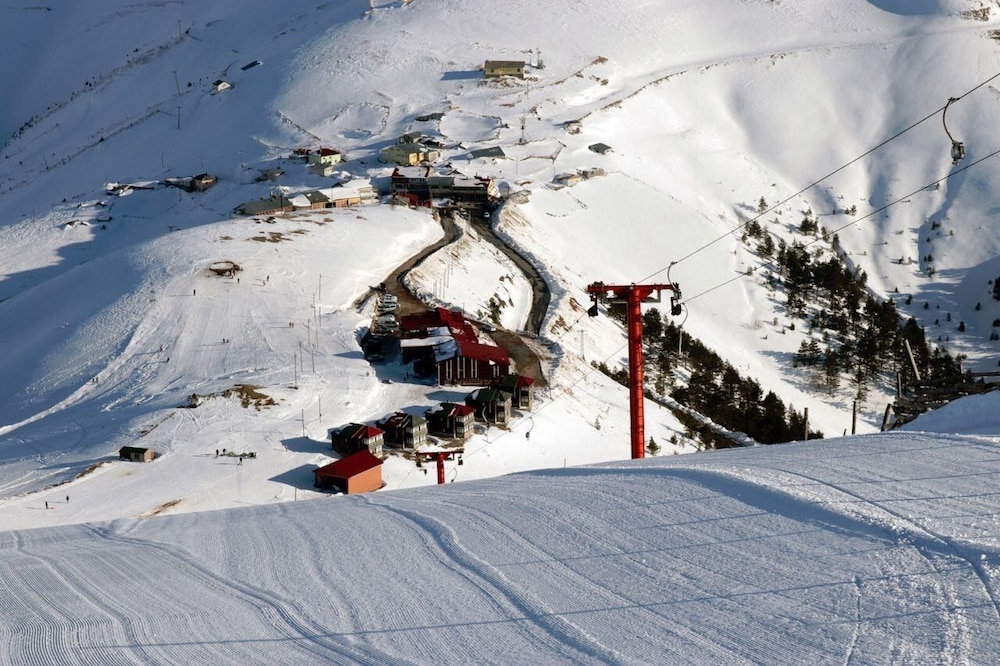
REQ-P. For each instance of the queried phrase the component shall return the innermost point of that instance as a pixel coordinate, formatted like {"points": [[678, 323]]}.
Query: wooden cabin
{"points": [[491, 404], [355, 437], [403, 430], [451, 420]]}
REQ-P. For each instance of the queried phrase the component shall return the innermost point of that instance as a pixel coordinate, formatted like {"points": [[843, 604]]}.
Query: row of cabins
{"points": [[352, 193], [360, 470], [494, 404]]}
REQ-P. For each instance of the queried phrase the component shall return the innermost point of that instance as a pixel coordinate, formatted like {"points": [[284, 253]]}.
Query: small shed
{"points": [[600, 148], [437, 115], [202, 182], [136, 454], [451, 420], [355, 437], [491, 404], [219, 85], [359, 472], [568, 179], [411, 137], [491, 152], [496, 68], [404, 430]]}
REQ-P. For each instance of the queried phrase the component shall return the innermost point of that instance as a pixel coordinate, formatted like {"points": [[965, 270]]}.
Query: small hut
{"points": [[136, 454]]}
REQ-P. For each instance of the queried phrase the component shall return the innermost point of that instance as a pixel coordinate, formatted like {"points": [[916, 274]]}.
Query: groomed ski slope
{"points": [[874, 549]]}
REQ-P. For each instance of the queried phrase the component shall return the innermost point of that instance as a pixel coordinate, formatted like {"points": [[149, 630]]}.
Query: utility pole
{"points": [[633, 296], [178, 118], [177, 83]]}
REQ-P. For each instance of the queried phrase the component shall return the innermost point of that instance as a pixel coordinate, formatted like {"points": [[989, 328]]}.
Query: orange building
{"points": [[359, 472]]}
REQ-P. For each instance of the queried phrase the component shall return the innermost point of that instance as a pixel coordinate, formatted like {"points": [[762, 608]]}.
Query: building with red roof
{"points": [[521, 389], [443, 343], [355, 437], [451, 420], [404, 430], [359, 472]]}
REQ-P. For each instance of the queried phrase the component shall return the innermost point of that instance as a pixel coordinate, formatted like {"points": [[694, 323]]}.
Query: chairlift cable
{"points": [[859, 219], [820, 180]]}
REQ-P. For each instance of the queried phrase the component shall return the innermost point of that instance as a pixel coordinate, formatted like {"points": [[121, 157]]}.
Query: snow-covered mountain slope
{"points": [[863, 550], [707, 108]]}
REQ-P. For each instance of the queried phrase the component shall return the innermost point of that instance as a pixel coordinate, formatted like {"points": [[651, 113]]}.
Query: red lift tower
{"points": [[438, 456], [633, 296]]}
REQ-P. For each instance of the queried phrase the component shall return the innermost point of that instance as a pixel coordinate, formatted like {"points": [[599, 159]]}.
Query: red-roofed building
{"points": [[426, 324], [473, 364], [404, 430], [451, 420], [444, 343], [355, 437], [325, 156], [491, 404], [359, 472], [520, 388]]}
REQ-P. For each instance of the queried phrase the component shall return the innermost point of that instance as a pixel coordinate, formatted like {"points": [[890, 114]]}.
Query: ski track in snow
{"points": [[281, 615], [939, 552], [496, 588]]}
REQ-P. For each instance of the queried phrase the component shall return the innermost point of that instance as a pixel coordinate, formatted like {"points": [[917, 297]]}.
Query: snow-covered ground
{"points": [[873, 549], [854, 550]]}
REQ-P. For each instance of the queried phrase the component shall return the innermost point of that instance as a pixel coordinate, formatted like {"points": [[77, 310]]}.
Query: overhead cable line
{"points": [[860, 219], [820, 180]]}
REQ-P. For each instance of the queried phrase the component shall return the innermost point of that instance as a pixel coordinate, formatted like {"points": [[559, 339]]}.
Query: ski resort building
{"points": [[404, 431], [491, 404], [355, 437], [359, 472], [451, 420], [520, 388], [493, 69], [136, 454], [443, 343]]}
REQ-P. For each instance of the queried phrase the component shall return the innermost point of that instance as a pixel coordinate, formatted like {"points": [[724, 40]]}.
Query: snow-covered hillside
{"points": [[110, 319], [870, 549]]}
